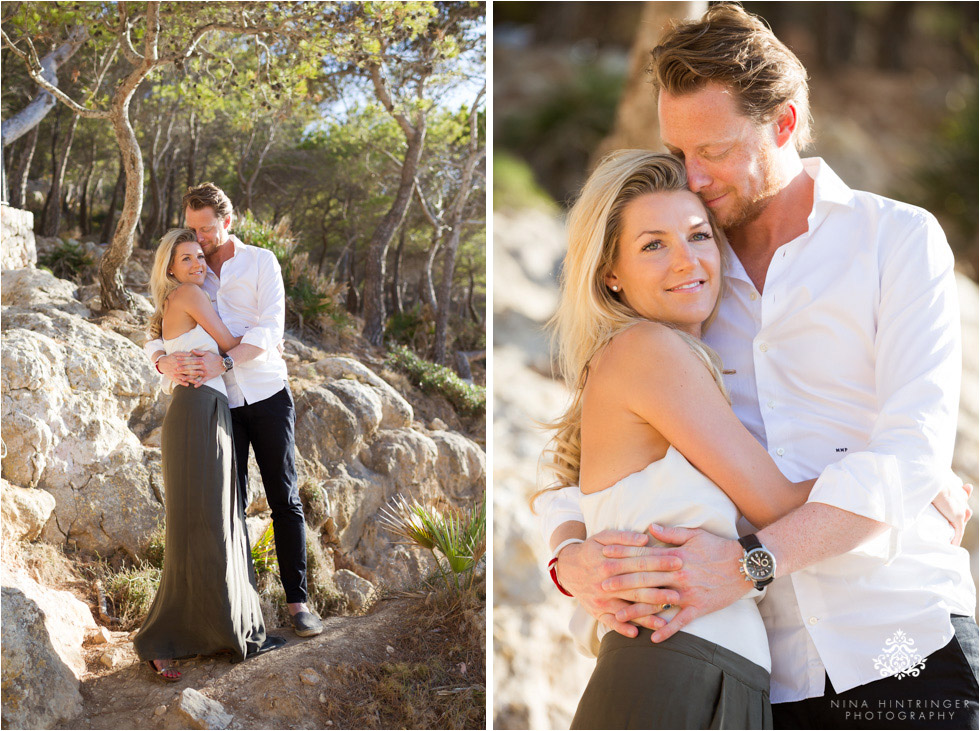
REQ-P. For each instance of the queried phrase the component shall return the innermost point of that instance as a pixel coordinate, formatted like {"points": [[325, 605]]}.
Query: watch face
{"points": [[759, 565]]}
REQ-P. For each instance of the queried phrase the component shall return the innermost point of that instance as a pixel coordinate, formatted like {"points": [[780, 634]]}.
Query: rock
{"points": [[357, 590], [198, 711], [309, 676], [41, 649], [69, 390], [437, 424], [390, 650], [18, 249], [159, 710], [111, 658], [396, 411], [37, 288], [326, 430], [25, 511], [404, 455], [322, 698], [461, 466], [100, 636]]}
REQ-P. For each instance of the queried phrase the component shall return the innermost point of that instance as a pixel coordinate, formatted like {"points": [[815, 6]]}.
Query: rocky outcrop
{"points": [[17, 247], [69, 390], [42, 631]]}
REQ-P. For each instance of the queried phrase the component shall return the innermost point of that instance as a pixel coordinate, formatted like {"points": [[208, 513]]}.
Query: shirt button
{"points": [[753, 296], [780, 452], [813, 620], [763, 347], [771, 404]]}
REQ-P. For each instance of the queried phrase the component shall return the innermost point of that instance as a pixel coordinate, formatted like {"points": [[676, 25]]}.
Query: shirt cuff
{"points": [[260, 337]]}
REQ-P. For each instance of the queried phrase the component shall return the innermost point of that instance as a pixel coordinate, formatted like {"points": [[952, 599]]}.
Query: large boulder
{"points": [[69, 390], [42, 630], [17, 247], [396, 412], [24, 511]]}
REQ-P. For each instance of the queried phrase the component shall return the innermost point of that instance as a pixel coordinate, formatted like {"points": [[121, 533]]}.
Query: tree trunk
{"points": [[22, 169], [374, 275], [445, 295], [469, 300], [84, 222], [636, 117], [427, 289], [51, 221], [397, 307], [113, 291], [117, 192], [195, 138]]}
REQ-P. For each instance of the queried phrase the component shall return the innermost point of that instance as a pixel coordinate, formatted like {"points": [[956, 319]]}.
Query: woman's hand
{"points": [[585, 568], [183, 369]]}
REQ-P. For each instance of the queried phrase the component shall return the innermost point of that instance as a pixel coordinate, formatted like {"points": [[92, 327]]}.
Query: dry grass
{"points": [[440, 679]]}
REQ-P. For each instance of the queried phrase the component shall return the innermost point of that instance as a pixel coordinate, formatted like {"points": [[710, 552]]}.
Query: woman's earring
{"points": [[615, 288]]}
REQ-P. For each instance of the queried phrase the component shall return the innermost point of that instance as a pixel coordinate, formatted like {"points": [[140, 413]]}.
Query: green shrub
{"points": [[459, 536], [415, 328], [68, 261], [466, 398], [155, 548], [312, 301]]}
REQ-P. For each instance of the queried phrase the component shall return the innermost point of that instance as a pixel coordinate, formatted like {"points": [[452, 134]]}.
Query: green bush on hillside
{"points": [[466, 398]]}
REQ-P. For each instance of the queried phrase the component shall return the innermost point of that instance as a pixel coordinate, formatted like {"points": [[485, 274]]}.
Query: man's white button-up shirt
{"points": [[251, 301], [847, 368]]}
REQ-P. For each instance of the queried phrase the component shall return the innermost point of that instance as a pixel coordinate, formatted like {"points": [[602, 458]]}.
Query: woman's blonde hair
{"points": [[162, 282], [589, 314]]}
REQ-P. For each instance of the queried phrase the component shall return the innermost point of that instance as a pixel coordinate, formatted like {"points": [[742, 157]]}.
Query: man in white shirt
{"points": [[246, 288], [841, 326]]}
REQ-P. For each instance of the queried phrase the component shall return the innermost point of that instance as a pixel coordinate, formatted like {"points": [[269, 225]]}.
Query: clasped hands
{"points": [[619, 579], [191, 369]]}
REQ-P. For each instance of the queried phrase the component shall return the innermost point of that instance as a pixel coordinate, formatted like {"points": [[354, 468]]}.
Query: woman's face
{"points": [[188, 263], [668, 266]]}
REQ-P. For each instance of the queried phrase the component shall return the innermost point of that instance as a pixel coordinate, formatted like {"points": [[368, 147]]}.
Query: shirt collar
{"points": [[828, 188], [828, 191]]}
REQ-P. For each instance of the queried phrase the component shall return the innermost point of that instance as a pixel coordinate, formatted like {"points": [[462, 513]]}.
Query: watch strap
{"points": [[750, 542]]}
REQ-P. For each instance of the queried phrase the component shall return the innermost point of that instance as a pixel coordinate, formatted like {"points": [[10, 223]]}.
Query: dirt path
{"points": [[265, 692]]}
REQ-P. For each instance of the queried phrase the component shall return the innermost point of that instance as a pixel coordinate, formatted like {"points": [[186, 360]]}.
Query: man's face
{"points": [[728, 156], [211, 231]]}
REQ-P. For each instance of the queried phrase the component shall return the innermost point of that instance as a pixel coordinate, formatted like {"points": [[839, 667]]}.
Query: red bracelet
{"points": [[553, 570], [156, 364]]}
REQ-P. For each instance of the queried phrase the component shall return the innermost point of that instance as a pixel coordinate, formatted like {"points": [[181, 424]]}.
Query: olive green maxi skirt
{"points": [[685, 682], [207, 601]]}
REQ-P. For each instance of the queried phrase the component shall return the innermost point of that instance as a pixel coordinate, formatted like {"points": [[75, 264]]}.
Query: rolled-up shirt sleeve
{"points": [[555, 507], [150, 347], [271, 303], [917, 382]]}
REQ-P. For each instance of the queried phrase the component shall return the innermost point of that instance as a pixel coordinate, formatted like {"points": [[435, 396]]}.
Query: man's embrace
{"points": [[245, 285], [839, 333]]}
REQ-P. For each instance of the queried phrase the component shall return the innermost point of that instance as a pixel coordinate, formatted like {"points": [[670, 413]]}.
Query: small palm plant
{"points": [[459, 536], [264, 552]]}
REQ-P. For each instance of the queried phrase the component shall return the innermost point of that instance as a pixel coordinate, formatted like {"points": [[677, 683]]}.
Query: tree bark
{"points": [[84, 222], [395, 293], [427, 288], [113, 291], [374, 275], [22, 169], [51, 220], [108, 225]]}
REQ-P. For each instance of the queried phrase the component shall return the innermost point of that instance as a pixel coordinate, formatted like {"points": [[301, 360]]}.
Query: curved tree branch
{"points": [[47, 68]]}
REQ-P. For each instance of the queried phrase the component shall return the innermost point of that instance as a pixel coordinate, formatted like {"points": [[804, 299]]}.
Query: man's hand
{"points": [[181, 368], [954, 505], [709, 581], [583, 568], [212, 366]]}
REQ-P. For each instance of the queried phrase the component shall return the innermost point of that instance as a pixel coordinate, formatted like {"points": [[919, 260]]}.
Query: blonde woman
{"points": [[650, 438], [207, 602]]}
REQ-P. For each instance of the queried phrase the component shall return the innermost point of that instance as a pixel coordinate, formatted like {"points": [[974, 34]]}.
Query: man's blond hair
{"points": [[729, 46], [207, 195]]}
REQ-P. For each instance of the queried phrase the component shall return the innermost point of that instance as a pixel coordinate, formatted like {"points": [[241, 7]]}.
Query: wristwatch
{"points": [[228, 363], [757, 564]]}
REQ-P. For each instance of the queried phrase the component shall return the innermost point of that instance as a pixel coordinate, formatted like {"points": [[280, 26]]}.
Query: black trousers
{"points": [[944, 695], [268, 426]]}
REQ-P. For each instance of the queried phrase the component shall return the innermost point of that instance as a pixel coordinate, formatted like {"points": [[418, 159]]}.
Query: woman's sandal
{"points": [[169, 674]]}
